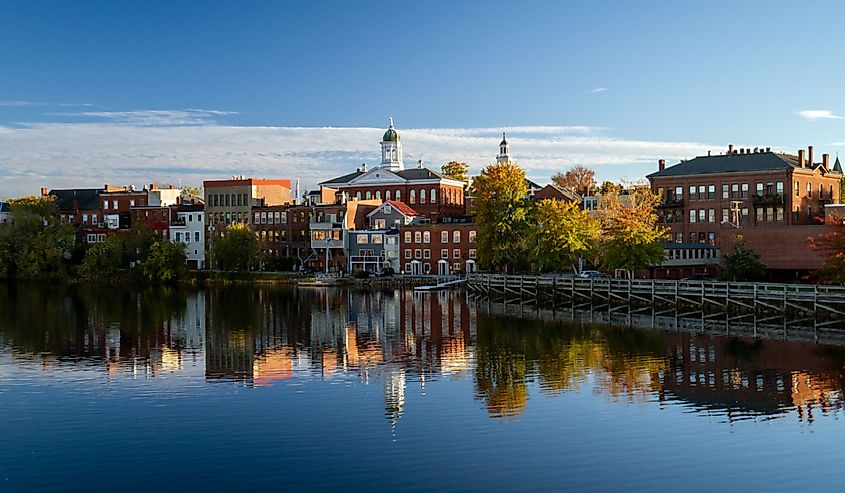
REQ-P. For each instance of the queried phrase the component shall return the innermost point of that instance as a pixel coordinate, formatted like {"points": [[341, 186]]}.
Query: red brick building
{"points": [[438, 248], [774, 200]]}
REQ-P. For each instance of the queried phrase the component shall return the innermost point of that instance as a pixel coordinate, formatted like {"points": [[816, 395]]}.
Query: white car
{"points": [[592, 274]]}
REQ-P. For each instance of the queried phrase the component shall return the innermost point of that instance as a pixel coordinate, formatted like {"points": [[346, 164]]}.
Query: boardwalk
{"points": [[809, 305]]}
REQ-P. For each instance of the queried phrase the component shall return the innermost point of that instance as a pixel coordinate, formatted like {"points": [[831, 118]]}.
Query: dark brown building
{"points": [[438, 248]]}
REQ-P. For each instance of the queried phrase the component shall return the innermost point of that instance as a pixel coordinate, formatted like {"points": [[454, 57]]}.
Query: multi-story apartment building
{"points": [[188, 227], [774, 200], [438, 248], [330, 226], [116, 205], [231, 201], [429, 192]]}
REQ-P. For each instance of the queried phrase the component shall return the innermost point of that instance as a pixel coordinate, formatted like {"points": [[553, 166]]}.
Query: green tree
{"points": [[37, 244], [501, 214], [831, 245], [165, 262], [238, 249], [631, 237], [456, 170], [102, 260], [608, 186], [743, 264], [563, 232], [137, 241]]}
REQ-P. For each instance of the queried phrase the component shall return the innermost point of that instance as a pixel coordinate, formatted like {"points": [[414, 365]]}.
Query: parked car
{"points": [[386, 272], [592, 274]]}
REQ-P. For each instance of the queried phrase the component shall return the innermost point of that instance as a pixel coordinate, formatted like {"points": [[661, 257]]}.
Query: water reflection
{"points": [[264, 337]]}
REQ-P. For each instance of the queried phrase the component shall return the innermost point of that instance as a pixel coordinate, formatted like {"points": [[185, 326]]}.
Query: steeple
{"points": [[391, 149], [837, 167], [504, 151]]}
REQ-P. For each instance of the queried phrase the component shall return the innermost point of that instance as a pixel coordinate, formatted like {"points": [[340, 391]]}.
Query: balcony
{"points": [[671, 203], [326, 234], [768, 199], [825, 200]]}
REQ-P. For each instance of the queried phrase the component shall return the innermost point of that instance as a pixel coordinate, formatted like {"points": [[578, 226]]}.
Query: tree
{"points": [[36, 244], [579, 178], [631, 238], [501, 214], [456, 170], [563, 233], [744, 263], [831, 245], [102, 260], [190, 193], [610, 187], [165, 262], [137, 241], [238, 249]]}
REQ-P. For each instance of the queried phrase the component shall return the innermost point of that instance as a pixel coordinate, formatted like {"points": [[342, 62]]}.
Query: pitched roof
{"points": [[837, 168], [343, 179], [410, 174], [77, 198], [730, 163], [403, 208], [564, 192]]}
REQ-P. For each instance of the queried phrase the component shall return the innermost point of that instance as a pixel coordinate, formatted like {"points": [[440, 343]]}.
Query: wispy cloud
{"points": [[597, 90], [20, 103], [820, 115], [154, 118], [115, 151]]}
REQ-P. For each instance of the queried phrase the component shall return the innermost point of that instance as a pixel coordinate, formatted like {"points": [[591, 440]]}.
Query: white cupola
{"points": [[391, 150], [504, 151]]}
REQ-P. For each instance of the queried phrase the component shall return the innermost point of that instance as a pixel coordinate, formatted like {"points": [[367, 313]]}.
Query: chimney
{"points": [[730, 149], [708, 152], [801, 161], [826, 161], [363, 166], [43, 191], [768, 149], [810, 156], [661, 165]]}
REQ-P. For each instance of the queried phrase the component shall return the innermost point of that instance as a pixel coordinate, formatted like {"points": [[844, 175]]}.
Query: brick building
{"points": [[438, 248], [231, 201], [774, 200]]}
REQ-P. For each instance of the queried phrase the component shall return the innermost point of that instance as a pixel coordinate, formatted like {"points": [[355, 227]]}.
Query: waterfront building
{"points": [[188, 227], [330, 226], [429, 192], [231, 201], [442, 248], [773, 199]]}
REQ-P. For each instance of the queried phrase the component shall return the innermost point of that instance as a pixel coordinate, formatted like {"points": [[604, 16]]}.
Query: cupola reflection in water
{"points": [[421, 386]]}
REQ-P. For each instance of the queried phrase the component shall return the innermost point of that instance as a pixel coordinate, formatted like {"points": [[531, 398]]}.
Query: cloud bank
{"points": [[819, 115], [187, 146]]}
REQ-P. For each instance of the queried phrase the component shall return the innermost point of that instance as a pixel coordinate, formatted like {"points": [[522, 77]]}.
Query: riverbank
{"points": [[293, 278]]}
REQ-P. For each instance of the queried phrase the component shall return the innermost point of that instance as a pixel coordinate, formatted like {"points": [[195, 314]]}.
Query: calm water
{"points": [[241, 389]]}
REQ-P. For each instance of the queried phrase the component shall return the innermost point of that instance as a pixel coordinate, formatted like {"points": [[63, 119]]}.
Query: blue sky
{"points": [[107, 90]]}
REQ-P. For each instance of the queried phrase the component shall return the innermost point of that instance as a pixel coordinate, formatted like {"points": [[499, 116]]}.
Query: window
{"points": [[101, 237], [456, 253], [711, 215], [759, 189], [702, 194], [237, 199], [407, 236], [407, 253], [368, 195], [114, 204], [831, 192], [380, 224], [256, 220], [726, 215], [711, 192], [456, 237], [426, 253], [702, 215], [227, 200], [797, 188], [679, 193], [422, 196], [92, 238], [187, 237], [444, 253], [388, 209], [779, 214], [725, 194], [779, 188], [131, 202], [679, 237], [745, 215], [398, 195], [387, 195], [433, 196], [413, 197], [692, 215], [358, 195], [84, 219], [362, 239], [711, 238], [821, 191], [246, 200], [444, 237], [472, 236], [391, 240], [809, 190], [745, 190], [407, 268], [196, 236], [735, 190], [417, 236], [418, 253], [378, 194], [472, 253], [760, 215], [692, 192], [693, 237]]}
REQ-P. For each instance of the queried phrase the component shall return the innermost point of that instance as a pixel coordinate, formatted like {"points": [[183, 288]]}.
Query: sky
{"points": [[180, 91]]}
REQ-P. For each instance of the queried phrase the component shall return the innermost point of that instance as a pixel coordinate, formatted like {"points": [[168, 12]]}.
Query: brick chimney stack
{"points": [[730, 149], [801, 162], [826, 161], [810, 162], [661, 165], [43, 191]]}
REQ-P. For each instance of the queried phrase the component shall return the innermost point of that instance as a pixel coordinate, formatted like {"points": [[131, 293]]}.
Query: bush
{"points": [[165, 262]]}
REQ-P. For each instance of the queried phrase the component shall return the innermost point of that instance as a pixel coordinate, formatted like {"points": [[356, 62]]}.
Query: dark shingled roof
{"points": [[761, 161], [77, 198], [837, 168], [410, 174]]}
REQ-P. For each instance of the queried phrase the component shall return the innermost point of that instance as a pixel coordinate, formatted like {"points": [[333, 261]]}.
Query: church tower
{"points": [[391, 150], [504, 151]]}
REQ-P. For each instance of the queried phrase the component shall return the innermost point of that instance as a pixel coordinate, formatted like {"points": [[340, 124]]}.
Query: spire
{"points": [[837, 167], [504, 151], [391, 121]]}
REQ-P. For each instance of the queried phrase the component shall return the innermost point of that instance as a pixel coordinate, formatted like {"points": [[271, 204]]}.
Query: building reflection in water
{"points": [[262, 337]]}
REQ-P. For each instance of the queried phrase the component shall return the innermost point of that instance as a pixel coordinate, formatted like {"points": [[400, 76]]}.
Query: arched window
{"points": [[368, 195], [378, 194], [433, 196], [387, 195], [398, 195], [422, 195], [357, 195], [413, 196]]}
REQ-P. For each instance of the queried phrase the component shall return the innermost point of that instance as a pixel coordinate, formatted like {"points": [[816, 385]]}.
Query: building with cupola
{"points": [[431, 193]]}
